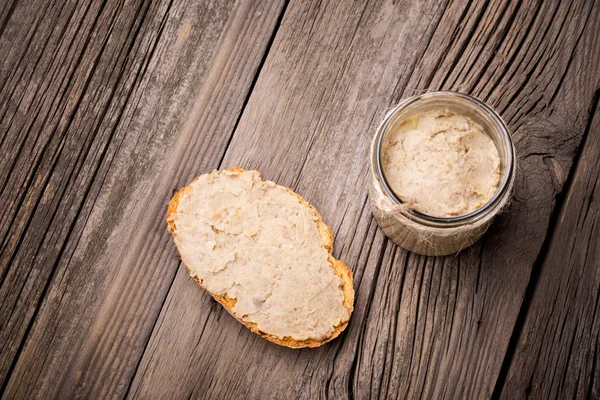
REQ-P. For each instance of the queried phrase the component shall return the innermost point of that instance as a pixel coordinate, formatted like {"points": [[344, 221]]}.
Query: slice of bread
{"points": [[264, 253]]}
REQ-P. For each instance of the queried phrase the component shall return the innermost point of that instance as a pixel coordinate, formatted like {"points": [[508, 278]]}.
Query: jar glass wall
{"points": [[421, 233]]}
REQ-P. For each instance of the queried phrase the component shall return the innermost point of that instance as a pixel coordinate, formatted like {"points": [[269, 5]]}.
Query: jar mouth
{"points": [[509, 157]]}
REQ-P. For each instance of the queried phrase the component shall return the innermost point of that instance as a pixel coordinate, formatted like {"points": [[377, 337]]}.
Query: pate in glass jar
{"points": [[442, 167]]}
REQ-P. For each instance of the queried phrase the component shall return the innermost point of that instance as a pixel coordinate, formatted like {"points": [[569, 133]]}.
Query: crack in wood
{"points": [[541, 259]]}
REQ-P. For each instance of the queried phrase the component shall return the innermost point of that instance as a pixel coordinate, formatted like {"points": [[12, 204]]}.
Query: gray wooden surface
{"points": [[107, 107]]}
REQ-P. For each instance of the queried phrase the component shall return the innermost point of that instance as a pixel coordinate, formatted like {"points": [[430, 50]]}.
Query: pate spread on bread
{"points": [[264, 253]]}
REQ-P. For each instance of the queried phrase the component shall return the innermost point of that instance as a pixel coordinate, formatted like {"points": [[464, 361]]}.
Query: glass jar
{"points": [[421, 233]]}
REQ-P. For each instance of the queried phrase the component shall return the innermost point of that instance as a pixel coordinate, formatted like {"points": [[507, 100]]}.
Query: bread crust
{"points": [[339, 267]]}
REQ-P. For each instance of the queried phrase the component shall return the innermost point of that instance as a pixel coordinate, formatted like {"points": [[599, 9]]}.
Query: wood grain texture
{"points": [[558, 346], [448, 335], [107, 107], [422, 327]]}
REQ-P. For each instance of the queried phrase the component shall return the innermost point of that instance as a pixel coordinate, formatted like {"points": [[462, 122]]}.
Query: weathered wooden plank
{"points": [[431, 327], [110, 107], [558, 347], [449, 333], [41, 102]]}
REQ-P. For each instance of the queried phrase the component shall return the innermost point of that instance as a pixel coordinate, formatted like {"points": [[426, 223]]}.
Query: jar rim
{"points": [[500, 193]]}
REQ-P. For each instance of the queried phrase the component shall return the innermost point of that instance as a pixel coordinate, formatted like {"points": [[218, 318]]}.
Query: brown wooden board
{"points": [[431, 327], [107, 108], [558, 346]]}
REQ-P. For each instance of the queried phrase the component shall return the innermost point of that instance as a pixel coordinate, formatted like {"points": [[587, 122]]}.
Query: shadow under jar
{"points": [[434, 235]]}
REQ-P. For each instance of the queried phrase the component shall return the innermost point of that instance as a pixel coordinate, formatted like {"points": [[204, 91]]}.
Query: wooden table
{"points": [[109, 106]]}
